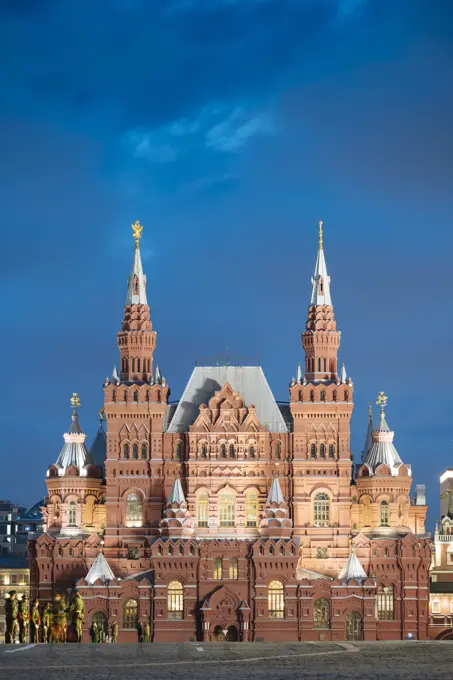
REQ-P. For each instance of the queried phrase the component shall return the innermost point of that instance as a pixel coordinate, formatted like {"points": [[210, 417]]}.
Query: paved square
{"points": [[317, 661]]}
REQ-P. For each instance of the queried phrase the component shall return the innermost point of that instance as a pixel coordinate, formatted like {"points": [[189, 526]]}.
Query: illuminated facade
{"points": [[441, 596], [227, 514]]}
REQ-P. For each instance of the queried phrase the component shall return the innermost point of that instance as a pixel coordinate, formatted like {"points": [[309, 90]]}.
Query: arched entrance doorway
{"points": [[100, 619], [354, 627], [445, 635], [229, 634]]}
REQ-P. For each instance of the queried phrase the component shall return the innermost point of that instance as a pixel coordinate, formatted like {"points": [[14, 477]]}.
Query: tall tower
{"points": [[135, 405], [321, 404], [136, 340]]}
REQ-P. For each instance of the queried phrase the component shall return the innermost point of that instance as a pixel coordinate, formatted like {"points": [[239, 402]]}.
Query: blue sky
{"points": [[228, 127]]}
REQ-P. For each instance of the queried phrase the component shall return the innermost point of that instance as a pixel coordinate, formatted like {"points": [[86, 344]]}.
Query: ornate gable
{"points": [[227, 411]]}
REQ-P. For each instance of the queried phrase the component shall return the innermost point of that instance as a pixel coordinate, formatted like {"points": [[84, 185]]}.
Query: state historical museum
{"points": [[228, 514]]}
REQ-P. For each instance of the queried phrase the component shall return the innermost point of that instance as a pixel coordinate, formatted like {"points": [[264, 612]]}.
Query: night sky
{"points": [[228, 128]]}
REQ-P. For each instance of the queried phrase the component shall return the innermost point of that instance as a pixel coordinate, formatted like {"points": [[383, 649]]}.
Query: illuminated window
{"points": [[384, 514], [385, 604], [218, 569], [135, 452], [175, 600], [277, 450], [126, 451], [130, 614], [231, 449], [321, 613], [134, 510], [233, 568], [436, 607], [72, 514], [354, 626], [251, 509], [202, 510], [227, 510], [321, 509], [276, 600], [222, 451], [178, 451]]}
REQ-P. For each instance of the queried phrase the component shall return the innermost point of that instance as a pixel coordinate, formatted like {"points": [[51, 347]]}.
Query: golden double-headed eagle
{"points": [[381, 400]]}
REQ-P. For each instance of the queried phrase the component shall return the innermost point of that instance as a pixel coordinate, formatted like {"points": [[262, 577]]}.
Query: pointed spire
{"points": [[99, 569], [383, 449], [74, 451], [115, 376], [299, 374], [352, 569], [177, 494], [321, 280], [275, 493], [344, 375], [369, 434], [158, 376], [136, 284]]}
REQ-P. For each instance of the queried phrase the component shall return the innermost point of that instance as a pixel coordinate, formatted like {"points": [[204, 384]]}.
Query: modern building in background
{"points": [[441, 598], [14, 575], [228, 514], [16, 523]]}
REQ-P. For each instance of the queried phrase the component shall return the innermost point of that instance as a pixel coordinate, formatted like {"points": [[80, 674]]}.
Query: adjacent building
{"points": [[228, 514], [16, 524], [441, 598]]}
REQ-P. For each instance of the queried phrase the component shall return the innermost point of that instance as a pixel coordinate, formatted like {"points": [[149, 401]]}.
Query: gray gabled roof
{"points": [[99, 569], [352, 569], [177, 494], [98, 449], [249, 381], [275, 493]]}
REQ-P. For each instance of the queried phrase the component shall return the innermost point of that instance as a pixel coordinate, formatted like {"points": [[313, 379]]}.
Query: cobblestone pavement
{"points": [[199, 661]]}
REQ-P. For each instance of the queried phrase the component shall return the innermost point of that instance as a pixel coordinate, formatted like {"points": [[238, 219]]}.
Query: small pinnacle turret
{"points": [[136, 284], [320, 281], [369, 434]]}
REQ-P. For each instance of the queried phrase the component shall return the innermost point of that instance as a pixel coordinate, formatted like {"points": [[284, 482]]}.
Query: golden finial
{"points": [[370, 410], [101, 414], [382, 400], [320, 234], [75, 402], [137, 231]]}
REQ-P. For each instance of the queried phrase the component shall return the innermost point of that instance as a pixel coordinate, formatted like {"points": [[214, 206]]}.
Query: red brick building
{"points": [[228, 514]]}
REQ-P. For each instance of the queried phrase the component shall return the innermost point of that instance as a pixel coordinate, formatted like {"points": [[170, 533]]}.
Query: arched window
{"points": [[138, 365], [252, 452], [323, 395], [222, 451], [331, 451], [135, 451], [100, 619], [322, 451], [135, 395], [175, 600], [204, 451], [354, 627], [233, 569], [130, 614], [134, 510], [313, 450], [231, 449], [276, 600], [144, 452], [202, 510], [319, 365], [227, 510], [126, 451], [384, 514], [72, 514], [325, 365], [346, 395], [133, 365], [170, 550], [218, 569], [277, 450], [251, 509], [70, 552], [321, 613], [178, 451], [321, 509], [334, 395], [385, 603]]}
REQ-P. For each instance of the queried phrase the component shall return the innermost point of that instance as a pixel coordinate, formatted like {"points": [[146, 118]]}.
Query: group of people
{"points": [[24, 623], [58, 622]]}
